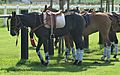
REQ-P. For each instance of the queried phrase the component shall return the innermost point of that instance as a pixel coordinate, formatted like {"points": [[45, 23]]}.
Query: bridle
{"points": [[18, 24]]}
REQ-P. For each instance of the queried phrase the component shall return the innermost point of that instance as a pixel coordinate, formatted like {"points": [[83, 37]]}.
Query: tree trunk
{"points": [[72, 1], [61, 4], [79, 1]]}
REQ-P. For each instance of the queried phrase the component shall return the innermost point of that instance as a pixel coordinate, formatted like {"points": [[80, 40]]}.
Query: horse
{"points": [[107, 28], [74, 24], [115, 18], [102, 23]]}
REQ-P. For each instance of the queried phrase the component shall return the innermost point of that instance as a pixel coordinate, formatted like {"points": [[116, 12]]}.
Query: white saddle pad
{"points": [[60, 21]]}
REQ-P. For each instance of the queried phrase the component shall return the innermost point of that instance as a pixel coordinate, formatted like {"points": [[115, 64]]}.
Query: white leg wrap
{"points": [[40, 56], [108, 52], [116, 49], [47, 56], [105, 52], [80, 54], [77, 54]]}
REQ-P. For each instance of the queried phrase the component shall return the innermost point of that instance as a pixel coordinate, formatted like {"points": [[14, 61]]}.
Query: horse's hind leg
{"points": [[79, 49], [107, 45], [69, 46], [38, 51], [114, 39]]}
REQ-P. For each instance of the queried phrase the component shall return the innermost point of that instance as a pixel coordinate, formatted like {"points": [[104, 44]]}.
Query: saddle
{"points": [[87, 18], [117, 16], [55, 19]]}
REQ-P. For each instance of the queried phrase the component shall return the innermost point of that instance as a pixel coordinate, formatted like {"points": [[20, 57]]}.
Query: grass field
{"points": [[10, 56]]}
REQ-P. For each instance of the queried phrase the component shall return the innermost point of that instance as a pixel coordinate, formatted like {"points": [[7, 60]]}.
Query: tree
{"points": [[72, 1], [4, 1], [79, 1], [61, 4]]}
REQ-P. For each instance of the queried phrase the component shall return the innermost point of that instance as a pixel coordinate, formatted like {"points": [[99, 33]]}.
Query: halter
{"points": [[18, 24]]}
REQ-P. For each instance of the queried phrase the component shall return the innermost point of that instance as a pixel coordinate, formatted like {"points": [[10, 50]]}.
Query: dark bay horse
{"points": [[74, 25]]}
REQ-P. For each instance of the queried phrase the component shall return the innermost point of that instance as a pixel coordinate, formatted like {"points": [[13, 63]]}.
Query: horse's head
{"points": [[15, 24]]}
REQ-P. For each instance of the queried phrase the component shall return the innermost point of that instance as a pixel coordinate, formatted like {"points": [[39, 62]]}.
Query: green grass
{"points": [[10, 57]]}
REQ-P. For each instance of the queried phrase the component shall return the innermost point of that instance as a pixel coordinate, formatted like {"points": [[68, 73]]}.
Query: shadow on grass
{"points": [[62, 67], [32, 48]]}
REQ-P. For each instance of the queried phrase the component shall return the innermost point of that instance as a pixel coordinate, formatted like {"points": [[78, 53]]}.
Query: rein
{"points": [[42, 24], [8, 22], [33, 30]]}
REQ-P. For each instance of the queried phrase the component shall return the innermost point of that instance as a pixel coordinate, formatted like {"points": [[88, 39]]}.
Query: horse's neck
{"points": [[27, 20]]}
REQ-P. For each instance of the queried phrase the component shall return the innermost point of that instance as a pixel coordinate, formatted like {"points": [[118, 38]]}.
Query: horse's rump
{"points": [[98, 21]]}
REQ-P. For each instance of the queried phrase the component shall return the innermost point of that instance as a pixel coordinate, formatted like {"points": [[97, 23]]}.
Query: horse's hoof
{"points": [[115, 56], [116, 59], [95, 62], [42, 62], [103, 58], [46, 64], [79, 63], [107, 61], [73, 59], [76, 62]]}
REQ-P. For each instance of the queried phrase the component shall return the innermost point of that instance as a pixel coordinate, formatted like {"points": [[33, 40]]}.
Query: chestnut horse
{"points": [[102, 23], [107, 25]]}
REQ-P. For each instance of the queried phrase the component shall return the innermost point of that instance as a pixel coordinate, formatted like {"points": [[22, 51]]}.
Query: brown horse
{"points": [[102, 23], [105, 24]]}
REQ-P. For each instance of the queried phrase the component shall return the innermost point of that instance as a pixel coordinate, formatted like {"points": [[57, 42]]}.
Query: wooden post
{"points": [[24, 40], [24, 43]]}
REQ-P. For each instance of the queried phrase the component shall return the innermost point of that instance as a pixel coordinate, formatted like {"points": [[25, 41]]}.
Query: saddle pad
{"points": [[87, 18], [60, 21]]}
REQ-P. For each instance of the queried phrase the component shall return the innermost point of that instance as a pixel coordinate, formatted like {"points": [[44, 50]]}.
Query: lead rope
{"points": [[17, 39]]}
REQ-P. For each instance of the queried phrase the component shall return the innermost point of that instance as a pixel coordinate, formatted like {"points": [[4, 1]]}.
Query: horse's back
{"points": [[76, 22], [100, 18]]}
